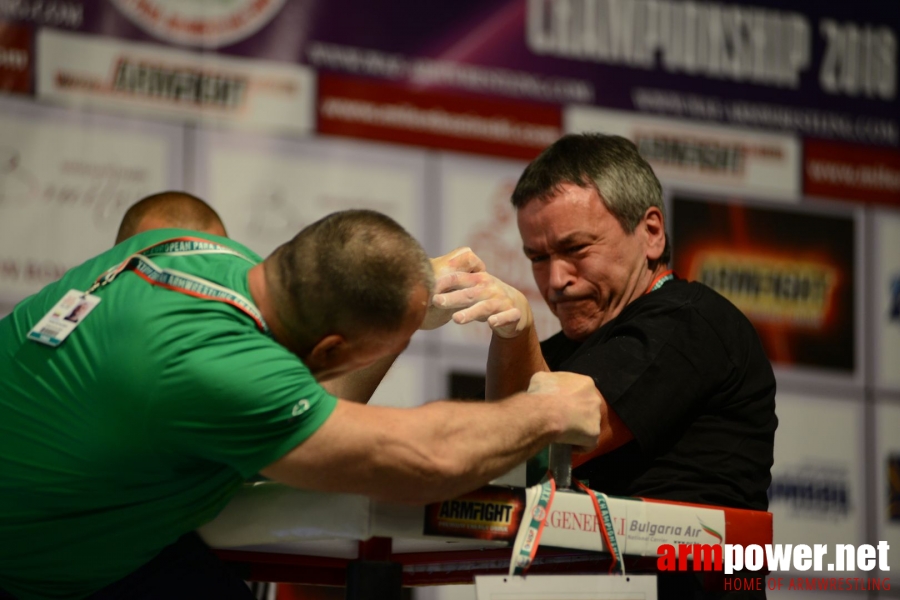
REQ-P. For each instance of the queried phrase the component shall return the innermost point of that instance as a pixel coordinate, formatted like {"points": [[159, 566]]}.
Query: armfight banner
{"points": [[791, 273]]}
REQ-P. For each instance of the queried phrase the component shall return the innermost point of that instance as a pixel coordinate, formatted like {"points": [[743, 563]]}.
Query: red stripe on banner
{"points": [[742, 526]]}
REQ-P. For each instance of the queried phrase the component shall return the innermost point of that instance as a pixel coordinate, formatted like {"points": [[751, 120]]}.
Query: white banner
{"points": [[163, 82], [475, 197], [704, 156], [66, 179], [887, 476], [886, 290], [817, 494], [266, 190], [640, 527]]}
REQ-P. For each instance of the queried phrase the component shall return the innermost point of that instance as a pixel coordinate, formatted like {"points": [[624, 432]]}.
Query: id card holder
{"points": [[63, 318]]}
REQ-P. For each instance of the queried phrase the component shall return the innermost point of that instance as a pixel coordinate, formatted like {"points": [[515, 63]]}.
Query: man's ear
{"points": [[654, 229], [327, 350]]}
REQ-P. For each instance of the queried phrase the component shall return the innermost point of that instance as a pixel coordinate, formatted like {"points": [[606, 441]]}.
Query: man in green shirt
{"points": [[201, 367]]}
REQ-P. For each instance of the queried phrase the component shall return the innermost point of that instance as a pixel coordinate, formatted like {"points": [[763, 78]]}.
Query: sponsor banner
{"points": [[200, 23], [489, 513], [640, 527], [15, 58], [791, 273], [851, 172], [267, 189], [396, 113], [886, 292], [887, 474], [477, 213], [65, 182], [158, 81], [820, 69], [701, 155], [817, 494]]}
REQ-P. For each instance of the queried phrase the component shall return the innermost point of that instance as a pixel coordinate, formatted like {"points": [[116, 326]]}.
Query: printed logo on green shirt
{"points": [[300, 408]]}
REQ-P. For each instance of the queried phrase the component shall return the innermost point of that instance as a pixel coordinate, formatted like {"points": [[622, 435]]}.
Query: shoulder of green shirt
{"points": [[147, 238]]}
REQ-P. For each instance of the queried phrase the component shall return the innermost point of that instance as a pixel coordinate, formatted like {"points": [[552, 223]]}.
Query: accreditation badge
{"points": [[63, 318]]}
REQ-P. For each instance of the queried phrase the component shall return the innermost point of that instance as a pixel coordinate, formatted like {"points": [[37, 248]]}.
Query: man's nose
{"points": [[562, 274]]}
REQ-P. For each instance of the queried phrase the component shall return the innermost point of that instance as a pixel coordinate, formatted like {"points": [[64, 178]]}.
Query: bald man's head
{"points": [[170, 209]]}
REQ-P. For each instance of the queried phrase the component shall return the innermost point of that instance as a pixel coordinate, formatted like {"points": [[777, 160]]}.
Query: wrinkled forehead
{"points": [[571, 207]]}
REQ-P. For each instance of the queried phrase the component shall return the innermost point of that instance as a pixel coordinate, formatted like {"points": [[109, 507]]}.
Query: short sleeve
{"points": [[240, 399], [656, 371]]}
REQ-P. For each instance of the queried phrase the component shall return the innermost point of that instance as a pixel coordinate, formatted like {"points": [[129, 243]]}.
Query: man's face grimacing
{"points": [[587, 267]]}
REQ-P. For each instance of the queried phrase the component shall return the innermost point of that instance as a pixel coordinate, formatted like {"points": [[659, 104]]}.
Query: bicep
{"points": [[329, 459], [238, 403]]}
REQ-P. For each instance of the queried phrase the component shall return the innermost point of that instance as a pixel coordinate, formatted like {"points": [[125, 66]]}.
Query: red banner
{"points": [[15, 58], [399, 113], [851, 172]]}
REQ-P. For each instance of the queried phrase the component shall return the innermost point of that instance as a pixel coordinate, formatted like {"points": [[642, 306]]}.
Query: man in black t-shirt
{"points": [[689, 395]]}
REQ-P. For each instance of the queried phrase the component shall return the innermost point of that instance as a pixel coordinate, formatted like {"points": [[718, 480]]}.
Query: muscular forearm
{"points": [[419, 455], [512, 362], [478, 443]]}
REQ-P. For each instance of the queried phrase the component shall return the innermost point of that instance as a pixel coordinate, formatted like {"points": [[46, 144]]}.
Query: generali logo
{"points": [[200, 22]]}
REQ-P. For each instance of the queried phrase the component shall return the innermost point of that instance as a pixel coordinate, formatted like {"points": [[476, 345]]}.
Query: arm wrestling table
{"points": [[276, 533]]}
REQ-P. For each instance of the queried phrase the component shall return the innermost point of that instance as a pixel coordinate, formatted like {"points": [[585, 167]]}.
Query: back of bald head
{"points": [[170, 209], [351, 273]]}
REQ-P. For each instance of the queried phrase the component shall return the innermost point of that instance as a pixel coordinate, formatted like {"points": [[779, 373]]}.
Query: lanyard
{"points": [[529, 537], [601, 509], [178, 281], [660, 281], [538, 503]]}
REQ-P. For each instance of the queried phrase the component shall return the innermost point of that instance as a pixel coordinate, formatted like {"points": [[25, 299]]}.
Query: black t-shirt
{"points": [[686, 372]]}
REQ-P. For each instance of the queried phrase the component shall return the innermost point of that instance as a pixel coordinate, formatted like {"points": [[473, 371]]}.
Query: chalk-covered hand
{"points": [[461, 260], [479, 296]]}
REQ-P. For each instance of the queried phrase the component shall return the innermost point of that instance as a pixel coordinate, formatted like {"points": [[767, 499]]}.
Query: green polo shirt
{"points": [[141, 425]]}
